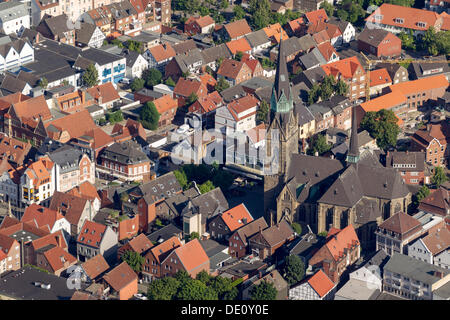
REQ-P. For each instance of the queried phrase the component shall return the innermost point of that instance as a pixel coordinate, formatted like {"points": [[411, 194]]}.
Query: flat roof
{"points": [[356, 290]]}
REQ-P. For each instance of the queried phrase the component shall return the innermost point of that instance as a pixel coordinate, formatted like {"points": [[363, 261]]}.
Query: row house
{"points": [[57, 28], [396, 19], [89, 35], [379, 79], [94, 239], [238, 245], [14, 151], [227, 222], [10, 256], [136, 64], [125, 19], [15, 54], [126, 161], [434, 141], [162, 11], [37, 183], [139, 244], [45, 218], [258, 41], [159, 56], [14, 17], [434, 248], [183, 64], [196, 25], [238, 116], [275, 32], [235, 30], [239, 45], [341, 250], [333, 113], [40, 244], [411, 166], [234, 72], [100, 17], [316, 287], [187, 87], [154, 257], [10, 185], [212, 55], [55, 260]]}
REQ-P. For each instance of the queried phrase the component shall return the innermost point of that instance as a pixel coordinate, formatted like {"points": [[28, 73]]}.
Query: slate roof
{"points": [[125, 152], [214, 53], [312, 58], [162, 187], [12, 10], [367, 211], [207, 205], [275, 234], [251, 228], [373, 36], [257, 38], [406, 158]]}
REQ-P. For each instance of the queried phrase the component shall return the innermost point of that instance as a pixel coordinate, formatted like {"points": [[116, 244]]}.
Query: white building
{"points": [[15, 54], [136, 64], [14, 17], [371, 272], [316, 287], [238, 116], [37, 184], [433, 248], [9, 188], [46, 218]]}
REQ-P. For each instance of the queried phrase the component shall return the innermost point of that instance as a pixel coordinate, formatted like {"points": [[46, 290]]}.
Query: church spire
{"points": [[353, 150], [281, 95]]}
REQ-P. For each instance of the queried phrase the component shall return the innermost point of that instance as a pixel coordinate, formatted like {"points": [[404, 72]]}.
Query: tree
{"points": [[149, 116], [192, 98], [297, 227], [318, 144], [114, 116], [239, 13], [152, 77], [137, 84], [382, 126], [439, 176], [260, 12], [263, 291], [407, 40], [43, 83], [341, 88], [204, 11], [342, 14], [224, 288], [203, 276], [170, 82], [90, 76], [134, 260], [221, 85], [135, 46], [420, 195], [329, 8], [224, 4], [222, 179], [180, 175], [206, 187], [182, 276], [194, 235], [195, 290], [238, 55], [163, 289], [263, 111], [294, 269]]}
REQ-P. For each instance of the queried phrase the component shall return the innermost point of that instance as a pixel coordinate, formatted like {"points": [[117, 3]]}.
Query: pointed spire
{"points": [[282, 76], [353, 150]]}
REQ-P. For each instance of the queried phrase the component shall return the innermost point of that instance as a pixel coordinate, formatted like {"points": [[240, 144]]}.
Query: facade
{"points": [[155, 256], [234, 72], [9, 253], [238, 241], [202, 25], [411, 166], [317, 287], [434, 248], [225, 223], [379, 43], [433, 140], [14, 17], [237, 116], [37, 184], [123, 281], [15, 54], [95, 239], [46, 218]]}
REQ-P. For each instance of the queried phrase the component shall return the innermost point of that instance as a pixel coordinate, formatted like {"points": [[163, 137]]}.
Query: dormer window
{"points": [[421, 24], [399, 20]]}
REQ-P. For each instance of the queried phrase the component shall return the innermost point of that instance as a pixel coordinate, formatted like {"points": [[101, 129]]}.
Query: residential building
{"points": [[10, 252], [413, 279], [347, 29], [155, 256], [239, 45], [158, 56], [236, 30], [139, 244], [379, 79], [14, 17], [234, 72], [418, 70], [213, 54], [396, 72], [123, 281], [124, 160], [104, 95], [238, 116], [316, 287], [14, 151], [238, 241], [55, 260], [434, 248], [89, 35], [15, 54], [370, 272], [379, 43], [274, 278], [437, 203], [47, 219], [258, 41], [57, 28], [341, 250], [94, 239], [227, 222], [411, 166], [433, 140], [196, 25], [94, 268], [40, 8], [186, 87], [37, 184]]}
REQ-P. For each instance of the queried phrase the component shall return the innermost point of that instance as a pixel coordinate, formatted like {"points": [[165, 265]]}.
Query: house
{"points": [[94, 268], [158, 56], [223, 224], [296, 27], [238, 116], [265, 242], [39, 244], [239, 45], [44, 218], [124, 160], [215, 53], [434, 248], [341, 250], [131, 130], [10, 190], [37, 184], [333, 33], [95, 140], [100, 17], [155, 256], [395, 18], [234, 72], [258, 41], [206, 107], [273, 277], [254, 65], [380, 43], [136, 64], [14, 151], [274, 32], [418, 70], [190, 257], [437, 6], [167, 109], [437, 203], [351, 72], [123, 281], [10, 254], [70, 126], [328, 52], [55, 260], [139, 244], [186, 87], [89, 35], [94, 239], [411, 166], [401, 271], [379, 79], [433, 140], [104, 95], [196, 25], [370, 272], [184, 64], [14, 17], [396, 72], [238, 241], [56, 28], [348, 31], [236, 30], [316, 287]]}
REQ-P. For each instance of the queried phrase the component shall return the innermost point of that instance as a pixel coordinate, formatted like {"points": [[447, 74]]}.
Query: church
{"points": [[321, 192]]}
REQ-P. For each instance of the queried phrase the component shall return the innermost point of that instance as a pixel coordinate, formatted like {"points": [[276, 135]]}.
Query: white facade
{"points": [[370, 275], [36, 193], [9, 191], [61, 224], [418, 250], [349, 33], [14, 19], [13, 58], [225, 122], [97, 38], [135, 71]]}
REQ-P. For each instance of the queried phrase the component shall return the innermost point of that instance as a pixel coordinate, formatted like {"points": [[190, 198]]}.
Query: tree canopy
{"points": [[439, 176], [149, 116], [152, 77], [137, 84], [420, 195], [318, 143], [90, 76], [134, 260], [382, 125], [263, 291], [263, 111], [206, 187], [294, 269], [222, 84]]}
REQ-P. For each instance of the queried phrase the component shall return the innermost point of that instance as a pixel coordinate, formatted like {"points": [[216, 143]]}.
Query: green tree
{"points": [[192, 98], [238, 55], [263, 111], [329, 8], [342, 14], [260, 12], [224, 4], [382, 126], [180, 175], [134, 260], [90, 76], [224, 288], [294, 269], [133, 45], [182, 276], [204, 11], [341, 88], [297, 227], [318, 143], [149, 116], [222, 179], [420, 195], [43, 83], [443, 42], [408, 41], [203, 276], [263, 291], [163, 289], [195, 290], [152, 77], [239, 13], [313, 94], [114, 117], [137, 84], [194, 235], [206, 187], [169, 82], [439, 176], [222, 84]]}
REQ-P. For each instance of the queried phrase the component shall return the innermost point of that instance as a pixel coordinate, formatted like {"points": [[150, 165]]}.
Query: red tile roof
{"points": [[239, 45], [230, 68], [420, 85], [202, 21], [70, 205], [56, 239], [400, 223], [42, 217], [8, 221], [327, 50], [274, 31], [162, 52], [379, 77], [76, 125], [32, 109], [344, 239], [192, 255], [165, 103], [314, 17], [121, 276], [40, 171], [104, 92], [345, 68], [86, 190], [161, 251], [140, 243], [296, 25], [58, 259], [321, 283], [237, 28], [185, 87], [95, 266], [91, 234], [437, 241], [234, 217]]}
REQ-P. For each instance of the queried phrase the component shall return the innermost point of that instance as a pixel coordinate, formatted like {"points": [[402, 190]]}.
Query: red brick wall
{"points": [[236, 251], [126, 230], [147, 213]]}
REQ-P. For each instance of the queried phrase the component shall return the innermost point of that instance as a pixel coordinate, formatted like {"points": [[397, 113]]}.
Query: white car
{"points": [[125, 81], [140, 296]]}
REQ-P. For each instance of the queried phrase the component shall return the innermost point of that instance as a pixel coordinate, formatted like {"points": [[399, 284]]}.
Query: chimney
{"points": [[438, 274], [58, 241]]}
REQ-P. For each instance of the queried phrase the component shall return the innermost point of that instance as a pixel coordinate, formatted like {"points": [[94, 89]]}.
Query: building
{"points": [[413, 279], [239, 45], [418, 70], [234, 72], [10, 253], [37, 184], [341, 250], [124, 160], [396, 72], [434, 248], [379, 43], [274, 278], [158, 56], [196, 25], [94, 239], [433, 140], [316, 287], [238, 116], [167, 109], [123, 281], [411, 166], [16, 53], [437, 203], [14, 17], [238, 241], [258, 41], [139, 244], [236, 30], [56, 28], [379, 79], [227, 222], [89, 35], [45, 218], [94, 268]]}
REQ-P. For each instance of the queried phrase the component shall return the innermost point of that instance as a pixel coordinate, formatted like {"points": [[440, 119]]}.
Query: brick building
{"points": [[380, 43], [411, 166]]}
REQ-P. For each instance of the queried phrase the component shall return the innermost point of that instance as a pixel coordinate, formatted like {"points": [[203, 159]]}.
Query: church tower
{"points": [[283, 126], [353, 150]]}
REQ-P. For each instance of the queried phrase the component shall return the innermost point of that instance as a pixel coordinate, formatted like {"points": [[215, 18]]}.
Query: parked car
{"points": [[140, 296], [125, 81]]}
